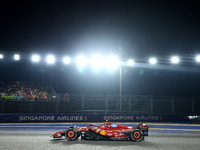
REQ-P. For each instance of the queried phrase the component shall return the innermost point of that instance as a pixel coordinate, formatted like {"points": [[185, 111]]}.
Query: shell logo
{"points": [[102, 132]]}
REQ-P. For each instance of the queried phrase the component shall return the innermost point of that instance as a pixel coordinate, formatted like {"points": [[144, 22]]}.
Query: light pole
{"points": [[120, 83]]}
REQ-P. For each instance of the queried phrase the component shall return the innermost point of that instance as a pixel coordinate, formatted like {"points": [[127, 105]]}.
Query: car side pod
{"points": [[137, 135], [71, 134]]}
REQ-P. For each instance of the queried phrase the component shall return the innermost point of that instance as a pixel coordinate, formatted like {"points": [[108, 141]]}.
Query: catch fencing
{"points": [[104, 104]]}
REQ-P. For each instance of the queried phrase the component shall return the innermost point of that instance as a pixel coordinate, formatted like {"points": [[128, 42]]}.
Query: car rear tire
{"points": [[71, 134], [137, 135]]}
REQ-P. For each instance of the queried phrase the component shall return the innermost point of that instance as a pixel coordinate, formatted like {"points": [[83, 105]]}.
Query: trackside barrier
{"points": [[4, 118], [102, 104]]}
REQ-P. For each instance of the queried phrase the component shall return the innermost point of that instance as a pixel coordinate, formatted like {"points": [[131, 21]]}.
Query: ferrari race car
{"points": [[106, 131]]}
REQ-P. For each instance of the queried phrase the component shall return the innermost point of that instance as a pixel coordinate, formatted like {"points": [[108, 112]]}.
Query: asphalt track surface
{"points": [[37, 137]]}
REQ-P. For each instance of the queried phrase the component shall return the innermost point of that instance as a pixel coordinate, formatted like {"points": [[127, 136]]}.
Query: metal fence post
{"points": [[1, 107], [57, 106], [106, 97], [193, 106], [129, 102], [30, 107], [172, 105], [82, 103], [2, 103], [118, 106], [151, 100]]}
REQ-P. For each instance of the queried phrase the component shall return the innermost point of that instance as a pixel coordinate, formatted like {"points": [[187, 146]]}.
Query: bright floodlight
{"points": [[175, 59], [50, 59], [130, 62], [1, 56], [66, 60], [16, 57], [97, 61], [152, 61], [112, 62], [35, 58], [198, 58], [81, 61]]}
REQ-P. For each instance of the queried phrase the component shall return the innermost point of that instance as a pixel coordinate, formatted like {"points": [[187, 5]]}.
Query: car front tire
{"points": [[71, 134]]}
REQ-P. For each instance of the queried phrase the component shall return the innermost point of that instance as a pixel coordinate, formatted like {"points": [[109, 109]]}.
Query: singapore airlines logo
{"points": [[85, 118]]}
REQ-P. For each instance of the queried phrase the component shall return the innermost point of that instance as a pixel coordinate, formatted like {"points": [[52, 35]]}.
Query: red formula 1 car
{"points": [[106, 131]]}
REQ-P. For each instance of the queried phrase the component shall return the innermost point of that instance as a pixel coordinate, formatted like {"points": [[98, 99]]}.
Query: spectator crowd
{"points": [[27, 91]]}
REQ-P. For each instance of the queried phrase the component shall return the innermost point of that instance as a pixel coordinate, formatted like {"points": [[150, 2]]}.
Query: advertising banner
{"points": [[91, 118]]}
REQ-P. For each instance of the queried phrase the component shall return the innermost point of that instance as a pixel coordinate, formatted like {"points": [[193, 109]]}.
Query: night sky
{"points": [[143, 28]]}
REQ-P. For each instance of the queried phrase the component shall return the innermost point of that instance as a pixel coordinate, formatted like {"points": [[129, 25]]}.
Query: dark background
{"points": [[143, 28]]}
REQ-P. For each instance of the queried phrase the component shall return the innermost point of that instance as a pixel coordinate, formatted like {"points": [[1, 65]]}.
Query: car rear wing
{"points": [[144, 128]]}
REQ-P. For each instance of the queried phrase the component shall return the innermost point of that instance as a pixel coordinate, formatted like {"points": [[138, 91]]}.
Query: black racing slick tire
{"points": [[71, 134], [137, 135]]}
